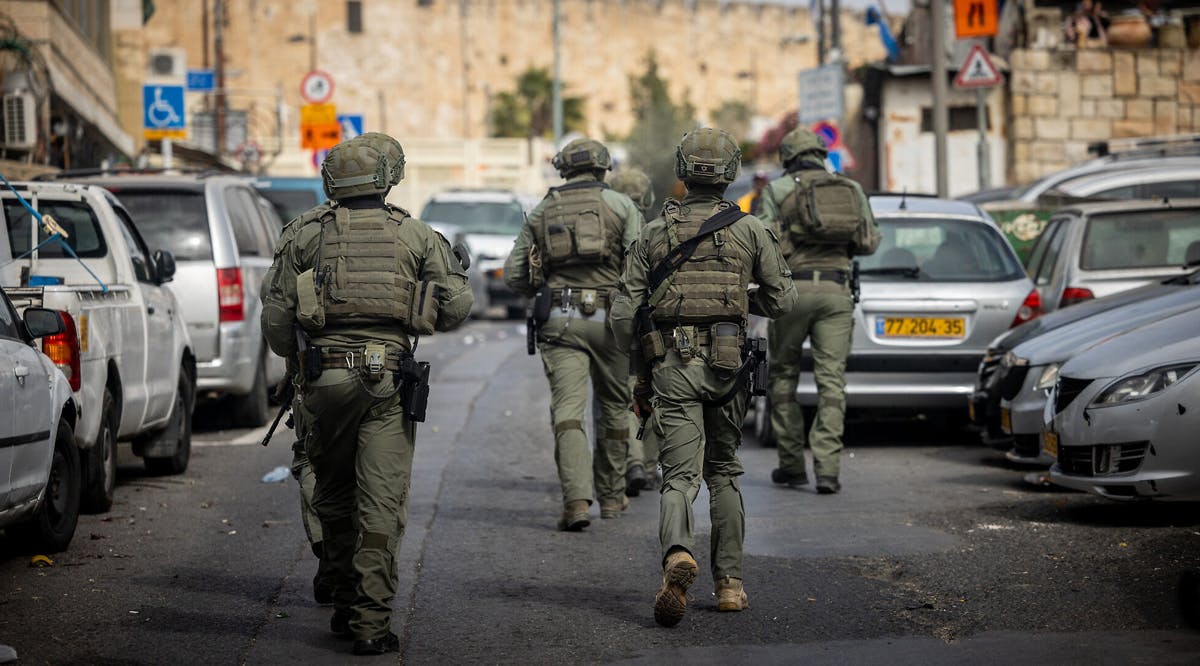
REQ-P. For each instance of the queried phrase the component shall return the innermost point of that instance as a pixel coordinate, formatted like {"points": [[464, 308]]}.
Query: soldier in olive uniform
{"points": [[695, 390], [643, 453], [572, 246], [819, 257], [353, 282]]}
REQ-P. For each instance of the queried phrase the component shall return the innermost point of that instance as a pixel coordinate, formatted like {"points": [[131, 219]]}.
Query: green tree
{"points": [[659, 123], [528, 111]]}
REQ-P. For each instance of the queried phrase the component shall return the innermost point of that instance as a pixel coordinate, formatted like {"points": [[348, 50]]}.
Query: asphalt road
{"points": [[935, 552]]}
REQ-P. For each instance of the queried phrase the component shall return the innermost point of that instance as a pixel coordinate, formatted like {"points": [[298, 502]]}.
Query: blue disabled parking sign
{"points": [[162, 108], [352, 125]]}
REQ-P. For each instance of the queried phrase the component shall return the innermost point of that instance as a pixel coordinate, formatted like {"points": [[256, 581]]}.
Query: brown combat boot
{"points": [[574, 516], [679, 573], [730, 595], [613, 508]]}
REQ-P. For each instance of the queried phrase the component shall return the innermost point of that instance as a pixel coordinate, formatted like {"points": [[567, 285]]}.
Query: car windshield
{"points": [[939, 250], [82, 229], [1141, 239], [175, 220], [290, 203], [477, 217]]}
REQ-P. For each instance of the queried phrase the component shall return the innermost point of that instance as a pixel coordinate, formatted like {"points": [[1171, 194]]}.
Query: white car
{"points": [[40, 474], [1123, 417]]}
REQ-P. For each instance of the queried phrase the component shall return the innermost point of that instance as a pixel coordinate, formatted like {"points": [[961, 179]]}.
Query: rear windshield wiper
{"points": [[906, 271]]}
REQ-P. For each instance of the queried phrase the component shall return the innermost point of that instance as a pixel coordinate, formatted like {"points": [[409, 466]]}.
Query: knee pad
{"points": [[374, 541]]}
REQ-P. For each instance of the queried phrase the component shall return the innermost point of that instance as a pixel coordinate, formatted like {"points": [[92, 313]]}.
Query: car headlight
{"points": [[1144, 385], [1048, 377], [1011, 360]]}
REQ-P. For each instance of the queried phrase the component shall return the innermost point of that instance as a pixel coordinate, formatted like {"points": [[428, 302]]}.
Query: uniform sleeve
{"points": [[776, 294], [633, 223], [278, 294], [631, 292], [517, 272], [870, 238], [454, 297]]}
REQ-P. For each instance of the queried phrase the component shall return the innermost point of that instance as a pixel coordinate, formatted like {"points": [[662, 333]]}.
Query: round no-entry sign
{"points": [[828, 133], [316, 87]]}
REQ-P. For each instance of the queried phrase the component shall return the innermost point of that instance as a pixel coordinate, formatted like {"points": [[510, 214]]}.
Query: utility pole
{"points": [[820, 32], [464, 53], [219, 54], [835, 28], [556, 86], [941, 120]]}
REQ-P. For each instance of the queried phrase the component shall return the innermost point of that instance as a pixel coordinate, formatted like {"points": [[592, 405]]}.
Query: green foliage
{"points": [[733, 117], [528, 111], [659, 124]]}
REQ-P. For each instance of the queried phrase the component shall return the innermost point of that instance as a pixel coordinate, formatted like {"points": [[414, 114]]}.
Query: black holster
{"points": [[310, 356], [854, 292], [536, 315], [414, 387], [756, 352]]}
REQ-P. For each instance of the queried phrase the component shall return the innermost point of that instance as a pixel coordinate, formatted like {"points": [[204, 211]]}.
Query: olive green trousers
{"points": [[574, 351], [360, 445], [826, 318], [697, 441], [303, 473]]}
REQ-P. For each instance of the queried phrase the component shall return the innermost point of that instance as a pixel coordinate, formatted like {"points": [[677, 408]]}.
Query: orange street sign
{"points": [[320, 136], [976, 18], [318, 114]]}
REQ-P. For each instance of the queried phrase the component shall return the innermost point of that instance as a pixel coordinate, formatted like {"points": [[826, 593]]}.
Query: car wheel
{"points": [[179, 431], [762, 422], [100, 462], [254, 408], [51, 529]]}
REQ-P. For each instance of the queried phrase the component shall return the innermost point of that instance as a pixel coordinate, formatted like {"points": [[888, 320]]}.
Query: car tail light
{"points": [[496, 273], [63, 350], [1073, 295], [229, 294], [1030, 309]]}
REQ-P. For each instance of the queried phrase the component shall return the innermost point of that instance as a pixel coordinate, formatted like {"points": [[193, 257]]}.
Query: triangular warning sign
{"points": [[977, 71]]}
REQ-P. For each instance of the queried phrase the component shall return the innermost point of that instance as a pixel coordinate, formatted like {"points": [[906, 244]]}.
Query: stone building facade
{"points": [[1063, 100], [428, 68]]}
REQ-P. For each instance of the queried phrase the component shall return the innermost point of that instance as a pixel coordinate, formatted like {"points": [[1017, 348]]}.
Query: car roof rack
{"points": [[1151, 146], [128, 171]]}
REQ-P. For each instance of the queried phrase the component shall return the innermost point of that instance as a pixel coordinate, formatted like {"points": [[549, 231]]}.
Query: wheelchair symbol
{"points": [[160, 113]]}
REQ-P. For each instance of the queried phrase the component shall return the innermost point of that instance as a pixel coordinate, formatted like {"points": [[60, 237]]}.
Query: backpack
{"points": [[824, 208]]}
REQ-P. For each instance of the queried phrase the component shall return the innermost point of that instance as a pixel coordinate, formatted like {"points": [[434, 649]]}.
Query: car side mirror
{"points": [[164, 262], [40, 322], [463, 254]]}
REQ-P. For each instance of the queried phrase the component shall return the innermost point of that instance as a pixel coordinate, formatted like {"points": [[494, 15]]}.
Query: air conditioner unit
{"points": [[166, 64], [20, 120]]}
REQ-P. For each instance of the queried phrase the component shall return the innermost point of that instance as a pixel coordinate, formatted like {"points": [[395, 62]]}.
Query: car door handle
{"points": [[21, 372]]}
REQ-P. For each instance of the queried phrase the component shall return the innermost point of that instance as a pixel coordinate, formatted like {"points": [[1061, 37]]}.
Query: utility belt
{"points": [[410, 377], [562, 303], [723, 346], [837, 277], [587, 301]]}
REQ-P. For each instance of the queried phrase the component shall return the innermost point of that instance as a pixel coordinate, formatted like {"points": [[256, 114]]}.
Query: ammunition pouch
{"points": [[725, 346]]}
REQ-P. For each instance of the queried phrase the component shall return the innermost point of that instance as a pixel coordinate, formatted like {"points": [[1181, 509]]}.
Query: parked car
{"points": [[1031, 368], [1110, 164], [292, 196], [992, 379], [223, 235], [40, 475], [1123, 416], [1170, 180], [1092, 250], [941, 286], [133, 371], [489, 221]]}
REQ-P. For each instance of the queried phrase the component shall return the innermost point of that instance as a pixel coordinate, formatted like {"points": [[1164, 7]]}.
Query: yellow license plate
{"points": [[1006, 420], [921, 327], [1050, 443]]}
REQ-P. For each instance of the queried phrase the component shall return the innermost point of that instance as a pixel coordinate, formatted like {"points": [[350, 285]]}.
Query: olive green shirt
{"points": [[601, 276], [812, 256], [428, 259], [776, 294]]}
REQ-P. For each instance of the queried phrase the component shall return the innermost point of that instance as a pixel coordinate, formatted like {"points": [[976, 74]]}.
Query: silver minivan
{"points": [[1093, 250], [223, 234]]}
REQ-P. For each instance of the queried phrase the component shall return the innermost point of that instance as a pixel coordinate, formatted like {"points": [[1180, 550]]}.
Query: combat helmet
{"points": [[635, 184], [707, 156], [799, 142], [368, 164], [582, 155]]}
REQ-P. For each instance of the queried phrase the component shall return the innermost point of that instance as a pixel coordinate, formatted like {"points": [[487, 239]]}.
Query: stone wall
{"points": [[1062, 100]]}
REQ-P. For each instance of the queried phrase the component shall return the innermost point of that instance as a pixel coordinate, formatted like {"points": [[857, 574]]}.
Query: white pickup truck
{"points": [[134, 377]]}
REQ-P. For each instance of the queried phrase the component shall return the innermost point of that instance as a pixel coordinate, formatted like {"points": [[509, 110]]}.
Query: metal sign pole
{"points": [[941, 119], [984, 152]]}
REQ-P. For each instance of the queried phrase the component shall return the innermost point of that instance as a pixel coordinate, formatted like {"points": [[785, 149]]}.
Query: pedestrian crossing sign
{"points": [[978, 71]]}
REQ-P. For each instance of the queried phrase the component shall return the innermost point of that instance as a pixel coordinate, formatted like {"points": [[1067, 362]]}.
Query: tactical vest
{"points": [[708, 287], [363, 274], [823, 208], [579, 228]]}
